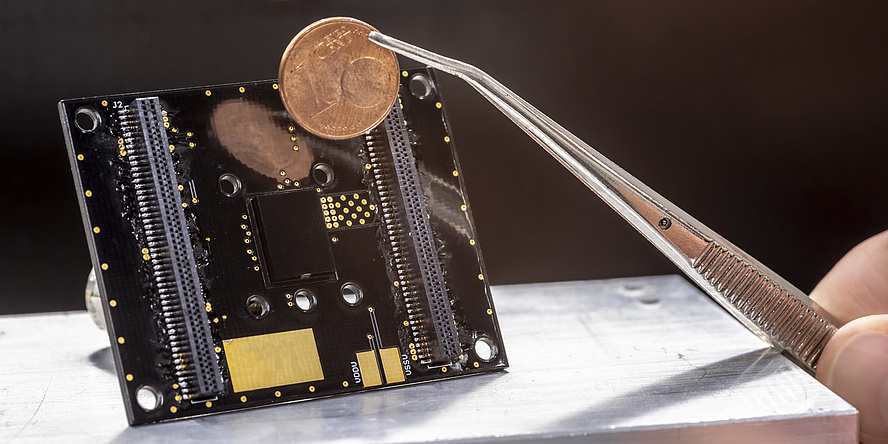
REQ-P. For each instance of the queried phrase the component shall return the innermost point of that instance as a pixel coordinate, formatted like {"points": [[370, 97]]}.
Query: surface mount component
{"points": [[243, 261]]}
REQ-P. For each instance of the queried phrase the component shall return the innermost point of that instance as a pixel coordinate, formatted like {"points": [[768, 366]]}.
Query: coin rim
{"points": [[290, 47]]}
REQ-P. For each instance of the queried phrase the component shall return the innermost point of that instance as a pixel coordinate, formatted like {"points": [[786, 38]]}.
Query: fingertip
{"points": [[858, 285], [854, 364]]}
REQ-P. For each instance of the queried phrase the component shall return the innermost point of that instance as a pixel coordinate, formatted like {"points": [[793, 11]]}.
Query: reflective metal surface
{"points": [[334, 82], [768, 305], [93, 299], [630, 360]]}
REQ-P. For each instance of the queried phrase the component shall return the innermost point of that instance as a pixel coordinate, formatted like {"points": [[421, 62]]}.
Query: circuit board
{"points": [[243, 261]]}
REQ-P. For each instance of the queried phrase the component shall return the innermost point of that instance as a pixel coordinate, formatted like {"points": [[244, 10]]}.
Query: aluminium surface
{"points": [[629, 360], [243, 261]]}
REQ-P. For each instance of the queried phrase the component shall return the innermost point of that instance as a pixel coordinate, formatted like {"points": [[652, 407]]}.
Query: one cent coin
{"points": [[335, 82]]}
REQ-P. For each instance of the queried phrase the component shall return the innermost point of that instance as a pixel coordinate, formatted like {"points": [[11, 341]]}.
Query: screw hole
{"points": [[665, 223], [633, 289], [229, 184], [305, 300], [258, 306], [649, 299], [485, 349], [420, 86], [87, 120], [148, 398], [322, 174], [352, 294]]}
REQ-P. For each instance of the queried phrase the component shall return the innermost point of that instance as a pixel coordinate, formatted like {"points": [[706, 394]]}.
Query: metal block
{"points": [[626, 360]]}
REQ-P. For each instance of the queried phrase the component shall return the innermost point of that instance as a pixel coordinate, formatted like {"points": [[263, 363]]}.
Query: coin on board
{"points": [[334, 81]]}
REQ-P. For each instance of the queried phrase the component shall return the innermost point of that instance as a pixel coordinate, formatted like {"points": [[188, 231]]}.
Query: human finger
{"points": [[858, 285], [854, 364]]}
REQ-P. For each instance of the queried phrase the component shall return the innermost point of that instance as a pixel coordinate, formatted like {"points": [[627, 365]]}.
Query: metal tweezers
{"points": [[769, 306]]}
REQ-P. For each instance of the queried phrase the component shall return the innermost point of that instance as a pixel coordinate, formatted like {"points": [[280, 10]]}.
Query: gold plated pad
{"points": [[272, 360]]}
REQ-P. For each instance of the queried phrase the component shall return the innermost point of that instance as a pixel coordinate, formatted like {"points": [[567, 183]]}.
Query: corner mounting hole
{"points": [[322, 174], [148, 398], [305, 300], [485, 349], [351, 293], [229, 184], [87, 120], [420, 86], [258, 306]]}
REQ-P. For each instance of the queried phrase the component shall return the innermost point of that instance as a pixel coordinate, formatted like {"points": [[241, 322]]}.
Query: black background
{"points": [[765, 120]]}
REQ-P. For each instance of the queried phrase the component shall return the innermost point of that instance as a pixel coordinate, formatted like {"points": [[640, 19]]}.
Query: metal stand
{"points": [[628, 360]]}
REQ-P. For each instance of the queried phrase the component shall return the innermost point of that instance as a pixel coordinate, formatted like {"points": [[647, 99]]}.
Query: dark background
{"points": [[765, 120]]}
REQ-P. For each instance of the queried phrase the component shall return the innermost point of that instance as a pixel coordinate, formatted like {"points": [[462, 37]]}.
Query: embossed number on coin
{"points": [[334, 81]]}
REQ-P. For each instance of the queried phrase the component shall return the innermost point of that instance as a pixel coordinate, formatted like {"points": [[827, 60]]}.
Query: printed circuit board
{"points": [[243, 261]]}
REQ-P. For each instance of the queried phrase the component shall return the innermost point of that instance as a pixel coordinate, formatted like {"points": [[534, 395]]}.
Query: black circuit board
{"points": [[243, 261]]}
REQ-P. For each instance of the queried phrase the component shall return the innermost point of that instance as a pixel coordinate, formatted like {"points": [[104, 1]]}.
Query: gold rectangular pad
{"points": [[272, 360], [369, 368], [391, 365]]}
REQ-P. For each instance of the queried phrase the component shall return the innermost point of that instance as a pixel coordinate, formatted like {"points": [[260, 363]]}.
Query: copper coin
{"points": [[334, 81]]}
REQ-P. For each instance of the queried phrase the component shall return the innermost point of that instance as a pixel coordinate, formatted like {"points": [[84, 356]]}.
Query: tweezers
{"points": [[769, 306]]}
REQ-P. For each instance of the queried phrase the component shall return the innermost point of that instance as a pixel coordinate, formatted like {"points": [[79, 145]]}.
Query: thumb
{"points": [[858, 285], [854, 364]]}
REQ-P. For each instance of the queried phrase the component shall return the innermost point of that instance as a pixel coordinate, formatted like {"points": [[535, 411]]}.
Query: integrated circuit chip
{"points": [[292, 238], [243, 261]]}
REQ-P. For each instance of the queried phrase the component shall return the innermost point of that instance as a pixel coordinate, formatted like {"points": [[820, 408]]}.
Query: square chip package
{"points": [[243, 261]]}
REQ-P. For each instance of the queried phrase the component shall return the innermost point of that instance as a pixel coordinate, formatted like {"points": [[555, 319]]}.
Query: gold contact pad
{"points": [[391, 365], [369, 369], [272, 360]]}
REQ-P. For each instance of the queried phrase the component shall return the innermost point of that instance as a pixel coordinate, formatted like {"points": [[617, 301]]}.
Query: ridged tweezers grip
{"points": [[792, 324], [788, 321]]}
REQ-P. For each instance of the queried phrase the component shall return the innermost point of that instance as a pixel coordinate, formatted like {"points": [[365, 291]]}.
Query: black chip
{"points": [[293, 237]]}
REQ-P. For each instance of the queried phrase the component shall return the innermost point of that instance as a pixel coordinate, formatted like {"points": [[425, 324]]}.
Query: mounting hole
{"points": [[305, 300], [149, 398], [420, 86], [258, 306], [485, 349], [229, 184], [322, 174], [649, 299], [633, 289], [351, 293], [87, 119]]}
